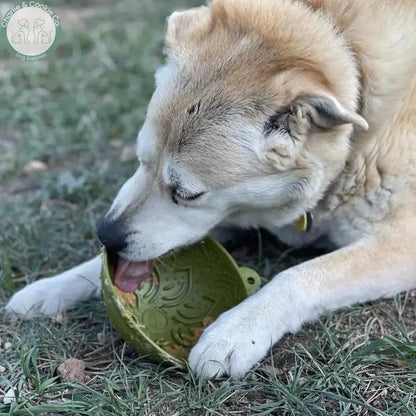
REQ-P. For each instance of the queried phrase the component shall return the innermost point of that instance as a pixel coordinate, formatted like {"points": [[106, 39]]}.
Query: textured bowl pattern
{"points": [[165, 317]]}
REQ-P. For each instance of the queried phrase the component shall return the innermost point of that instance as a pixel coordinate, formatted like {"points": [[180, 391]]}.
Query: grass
{"points": [[78, 113]]}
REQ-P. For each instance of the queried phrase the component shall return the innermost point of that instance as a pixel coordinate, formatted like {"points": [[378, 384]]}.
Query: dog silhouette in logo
{"points": [[40, 35], [22, 34]]}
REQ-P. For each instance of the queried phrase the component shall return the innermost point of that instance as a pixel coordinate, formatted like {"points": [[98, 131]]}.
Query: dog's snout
{"points": [[111, 235]]}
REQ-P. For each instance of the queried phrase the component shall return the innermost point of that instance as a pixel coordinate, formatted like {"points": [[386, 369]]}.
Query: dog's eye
{"points": [[185, 196]]}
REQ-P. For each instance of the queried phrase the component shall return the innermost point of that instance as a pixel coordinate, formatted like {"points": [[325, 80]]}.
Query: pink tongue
{"points": [[129, 275]]}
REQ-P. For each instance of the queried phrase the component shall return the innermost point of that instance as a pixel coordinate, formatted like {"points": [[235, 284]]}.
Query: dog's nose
{"points": [[111, 236]]}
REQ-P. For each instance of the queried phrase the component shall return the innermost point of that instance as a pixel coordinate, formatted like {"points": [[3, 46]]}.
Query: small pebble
{"points": [[2, 369], [35, 166], [7, 345], [302, 381], [9, 397], [72, 370], [101, 338]]}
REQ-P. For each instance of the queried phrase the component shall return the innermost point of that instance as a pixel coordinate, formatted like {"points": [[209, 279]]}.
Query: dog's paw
{"points": [[42, 297], [48, 296], [231, 345]]}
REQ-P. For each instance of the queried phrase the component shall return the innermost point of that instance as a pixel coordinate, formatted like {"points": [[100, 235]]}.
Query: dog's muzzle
{"points": [[111, 235]]}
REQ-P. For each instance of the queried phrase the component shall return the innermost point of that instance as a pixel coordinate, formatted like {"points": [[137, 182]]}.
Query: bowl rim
{"points": [[108, 289]]}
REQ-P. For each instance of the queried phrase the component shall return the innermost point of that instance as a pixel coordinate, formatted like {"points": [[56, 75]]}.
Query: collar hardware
{"points": [[304, 223]]}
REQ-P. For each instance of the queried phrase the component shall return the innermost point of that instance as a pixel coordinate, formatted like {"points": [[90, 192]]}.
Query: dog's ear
{"points": [[23, 22], [324, 112], [187, 25], [286, 131]]}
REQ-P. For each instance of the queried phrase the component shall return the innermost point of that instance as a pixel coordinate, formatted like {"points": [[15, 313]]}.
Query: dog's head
{"points": [[252, 113], [24, 23], [38, 23]]}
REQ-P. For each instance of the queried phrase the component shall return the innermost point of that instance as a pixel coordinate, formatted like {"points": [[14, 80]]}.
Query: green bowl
{"points": [[164, 318]]}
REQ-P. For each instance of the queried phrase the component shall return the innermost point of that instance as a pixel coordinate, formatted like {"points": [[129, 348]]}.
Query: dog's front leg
{"points": [[53, 294], [369, 269]]}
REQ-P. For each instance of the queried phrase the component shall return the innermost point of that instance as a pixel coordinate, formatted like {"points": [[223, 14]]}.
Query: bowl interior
{"points": [[188, 291]]}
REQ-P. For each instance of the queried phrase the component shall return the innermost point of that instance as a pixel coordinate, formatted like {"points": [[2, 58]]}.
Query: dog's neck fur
{"points": [[370, 173]]}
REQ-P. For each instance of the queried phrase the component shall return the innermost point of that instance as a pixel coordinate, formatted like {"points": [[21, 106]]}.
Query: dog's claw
{"points": [[231, 345]]}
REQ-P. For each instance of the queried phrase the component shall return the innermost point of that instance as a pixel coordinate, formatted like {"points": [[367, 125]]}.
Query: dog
{"points": [[39, 33], [22, 35], [267, 112]]}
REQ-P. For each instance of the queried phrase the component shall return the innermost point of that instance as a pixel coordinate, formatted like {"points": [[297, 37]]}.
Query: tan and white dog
{"points": [[267, 110]]}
